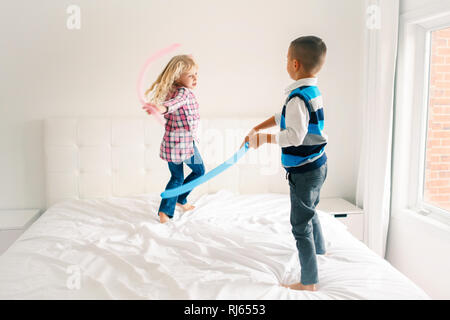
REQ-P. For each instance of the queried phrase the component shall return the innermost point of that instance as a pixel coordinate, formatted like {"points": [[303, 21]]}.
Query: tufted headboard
{"points": [[119, 157]]}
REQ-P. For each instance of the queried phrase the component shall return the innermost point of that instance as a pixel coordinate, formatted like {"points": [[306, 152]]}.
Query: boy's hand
{"points": [[255, 140], [247, 137], [258, 139]]}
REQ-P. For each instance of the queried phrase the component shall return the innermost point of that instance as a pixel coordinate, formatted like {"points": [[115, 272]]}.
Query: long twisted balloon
{"points": [[208, 176]]}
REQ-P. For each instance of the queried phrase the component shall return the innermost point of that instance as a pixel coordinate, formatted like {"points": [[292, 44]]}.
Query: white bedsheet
{"points": [[230, 247]]}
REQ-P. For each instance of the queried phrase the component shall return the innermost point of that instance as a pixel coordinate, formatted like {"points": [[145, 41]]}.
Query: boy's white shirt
{"points": [[296, 117]]}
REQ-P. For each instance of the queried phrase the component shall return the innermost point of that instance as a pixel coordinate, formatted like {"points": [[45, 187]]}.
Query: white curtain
{"points": [[374, 176]]}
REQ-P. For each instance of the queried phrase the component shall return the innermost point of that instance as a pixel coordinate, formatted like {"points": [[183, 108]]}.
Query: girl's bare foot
{"points": [[299, 286], [163, 218], [186, 207]]}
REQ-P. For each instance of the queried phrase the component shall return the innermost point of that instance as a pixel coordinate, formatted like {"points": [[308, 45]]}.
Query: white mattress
{"points": [[230, 247]]}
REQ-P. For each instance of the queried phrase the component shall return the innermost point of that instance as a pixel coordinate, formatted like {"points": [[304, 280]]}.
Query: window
{"points": [[421, 140], [436, 187]]}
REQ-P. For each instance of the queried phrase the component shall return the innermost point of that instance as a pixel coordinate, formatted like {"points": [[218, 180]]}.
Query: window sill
{"points": [[432, 219]]}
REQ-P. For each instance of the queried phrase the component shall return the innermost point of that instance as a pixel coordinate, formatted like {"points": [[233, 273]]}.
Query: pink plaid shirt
{"points": [[182, 121]]}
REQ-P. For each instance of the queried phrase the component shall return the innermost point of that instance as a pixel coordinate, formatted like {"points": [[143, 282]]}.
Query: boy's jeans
{"points": [[305, 193], [177, 179]]}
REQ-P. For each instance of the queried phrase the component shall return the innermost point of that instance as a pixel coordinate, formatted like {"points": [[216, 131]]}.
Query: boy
{"points": [[302, 141]]}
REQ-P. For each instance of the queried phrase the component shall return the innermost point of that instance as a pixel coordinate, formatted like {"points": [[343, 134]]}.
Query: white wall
{"points": [[417, 246], [410, 5], [48, 70]]}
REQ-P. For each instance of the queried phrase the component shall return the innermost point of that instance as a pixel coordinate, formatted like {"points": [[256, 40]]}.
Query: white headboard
{"points": [[119, 157]]}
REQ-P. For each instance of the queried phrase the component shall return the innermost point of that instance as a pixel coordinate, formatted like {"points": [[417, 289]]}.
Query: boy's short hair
{"points": [[310, 51]]}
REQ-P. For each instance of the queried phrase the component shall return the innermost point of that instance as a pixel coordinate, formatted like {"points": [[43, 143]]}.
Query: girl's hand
{"points": [[151, 107], [147, 110]]}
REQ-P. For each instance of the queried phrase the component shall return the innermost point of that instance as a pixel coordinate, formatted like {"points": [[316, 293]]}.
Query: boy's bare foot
{"points": [[299, 286], [186, 207], [163, 218]]}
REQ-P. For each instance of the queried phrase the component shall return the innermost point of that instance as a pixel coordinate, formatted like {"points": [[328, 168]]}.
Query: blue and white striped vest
{"points": [[311, 153]]}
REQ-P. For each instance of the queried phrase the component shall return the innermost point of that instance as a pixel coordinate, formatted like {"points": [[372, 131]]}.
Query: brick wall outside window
{"points": [[437, 172]]}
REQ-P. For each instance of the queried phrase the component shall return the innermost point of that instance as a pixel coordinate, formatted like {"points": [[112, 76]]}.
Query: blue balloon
{"points": [[211, 174]]}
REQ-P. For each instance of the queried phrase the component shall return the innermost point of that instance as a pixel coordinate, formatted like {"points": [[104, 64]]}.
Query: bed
{"points": [[100, 237]]}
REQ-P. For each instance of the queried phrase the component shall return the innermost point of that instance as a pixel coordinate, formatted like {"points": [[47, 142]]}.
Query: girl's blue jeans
{"points": [[305, 193], [177, 179]]}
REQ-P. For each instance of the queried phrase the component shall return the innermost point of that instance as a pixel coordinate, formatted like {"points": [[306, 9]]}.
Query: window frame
{"points": [[411, 111]]}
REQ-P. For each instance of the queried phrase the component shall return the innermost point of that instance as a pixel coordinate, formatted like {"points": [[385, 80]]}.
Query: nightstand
{"points": [[13, 223], [346, 212]]}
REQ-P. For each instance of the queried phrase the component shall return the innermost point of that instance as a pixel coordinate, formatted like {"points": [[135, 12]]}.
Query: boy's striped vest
{"points": [[311, 153]]}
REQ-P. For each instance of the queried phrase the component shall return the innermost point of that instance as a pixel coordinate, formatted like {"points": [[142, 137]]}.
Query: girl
{"points": [[172, 95]]}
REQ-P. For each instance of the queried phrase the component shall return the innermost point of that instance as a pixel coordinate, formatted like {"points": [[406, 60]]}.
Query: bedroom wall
{"points": [[419, 246], [48, 70]]}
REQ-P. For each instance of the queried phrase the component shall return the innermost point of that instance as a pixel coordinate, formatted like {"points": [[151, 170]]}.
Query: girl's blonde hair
{"points": [[167, 79]]}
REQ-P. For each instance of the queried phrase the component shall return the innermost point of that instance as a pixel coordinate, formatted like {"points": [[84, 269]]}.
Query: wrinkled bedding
{"points": [[230, 247]]}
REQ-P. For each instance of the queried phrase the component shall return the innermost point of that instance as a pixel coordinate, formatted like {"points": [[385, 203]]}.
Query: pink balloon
{"points": [[148, 106]]}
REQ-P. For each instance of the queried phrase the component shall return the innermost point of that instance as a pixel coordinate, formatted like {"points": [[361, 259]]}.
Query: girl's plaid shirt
{"points": [[182, 121]]}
